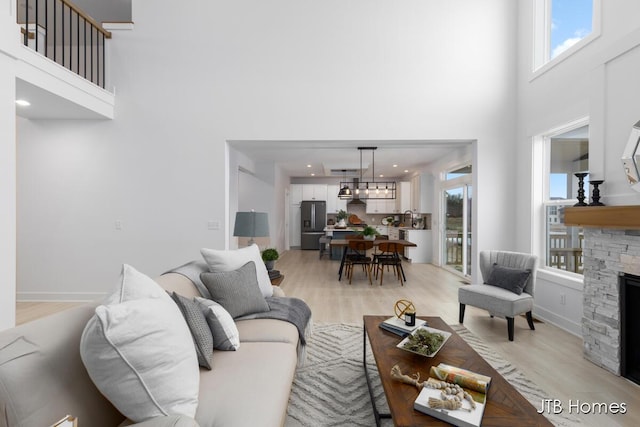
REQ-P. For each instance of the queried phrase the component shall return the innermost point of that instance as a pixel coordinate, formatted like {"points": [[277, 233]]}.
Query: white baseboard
{"points": [[559, 321], [60, 296]]}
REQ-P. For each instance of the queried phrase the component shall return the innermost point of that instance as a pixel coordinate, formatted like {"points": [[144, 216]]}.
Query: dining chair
{"points": [[359, 248], [390, 257]]}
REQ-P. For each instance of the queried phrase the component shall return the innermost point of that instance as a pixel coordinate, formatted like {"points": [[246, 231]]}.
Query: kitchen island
{"points": [[340, 233]]}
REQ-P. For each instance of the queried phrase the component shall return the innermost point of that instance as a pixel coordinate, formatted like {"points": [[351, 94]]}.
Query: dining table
{"points": [[344, 244]]}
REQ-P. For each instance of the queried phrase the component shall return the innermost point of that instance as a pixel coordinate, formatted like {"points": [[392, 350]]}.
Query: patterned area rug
{"points": [[330, 390]]}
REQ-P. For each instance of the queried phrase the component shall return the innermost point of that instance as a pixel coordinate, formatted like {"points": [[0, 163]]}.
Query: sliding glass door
{"points": [[457, 229]]}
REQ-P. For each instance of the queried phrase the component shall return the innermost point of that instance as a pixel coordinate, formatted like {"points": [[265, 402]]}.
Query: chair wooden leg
{"points": [[530, 321], [369, 274], [510, 328], [461, 315], [381, 274]]}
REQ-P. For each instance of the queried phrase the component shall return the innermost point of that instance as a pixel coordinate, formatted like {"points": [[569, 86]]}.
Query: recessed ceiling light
{"points": [[23, 102], [313, 174], [406, 170], [381, 176], [308, 166], [395, 166]]}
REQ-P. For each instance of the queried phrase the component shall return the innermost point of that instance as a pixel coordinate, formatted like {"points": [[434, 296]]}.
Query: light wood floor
{"points": [[548, 356]]}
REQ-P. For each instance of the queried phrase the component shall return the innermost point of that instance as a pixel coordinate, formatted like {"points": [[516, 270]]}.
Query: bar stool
{"points": [[325, 246]]}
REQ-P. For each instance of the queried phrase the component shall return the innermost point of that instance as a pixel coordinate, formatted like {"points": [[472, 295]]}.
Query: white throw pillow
{"points": [[138, 351], [223, 328], [230, 260]]}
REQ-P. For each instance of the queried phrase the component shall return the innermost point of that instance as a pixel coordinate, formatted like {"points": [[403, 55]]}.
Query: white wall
{"points": [[190, 78], [7, 169], [599, 81]]}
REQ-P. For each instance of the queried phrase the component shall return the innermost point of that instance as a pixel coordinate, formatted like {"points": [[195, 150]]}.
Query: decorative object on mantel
{"points": [[631, 158], [595, 196], [580, 176]]}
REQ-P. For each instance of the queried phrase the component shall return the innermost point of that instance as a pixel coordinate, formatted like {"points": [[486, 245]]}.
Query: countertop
{"points": [[356, 228]]}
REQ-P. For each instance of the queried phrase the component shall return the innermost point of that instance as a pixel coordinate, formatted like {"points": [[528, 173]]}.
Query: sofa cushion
{"points": [[230, 260], [138, 351], [511, 279], [223, 328], [267, 330], [237, 291], [200, 332], [257, 382]]}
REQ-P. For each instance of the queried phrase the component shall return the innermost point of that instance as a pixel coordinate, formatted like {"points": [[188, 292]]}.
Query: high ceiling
{"points": [[393, 158]]}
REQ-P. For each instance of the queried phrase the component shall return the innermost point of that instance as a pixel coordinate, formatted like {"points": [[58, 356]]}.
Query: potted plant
{"points": [[269, 256], [341, 217], [369, 232]]}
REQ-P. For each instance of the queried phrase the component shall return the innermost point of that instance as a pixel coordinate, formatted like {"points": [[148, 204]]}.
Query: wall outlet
{"points": [[563, 299], [118, 224], [213, 225]]}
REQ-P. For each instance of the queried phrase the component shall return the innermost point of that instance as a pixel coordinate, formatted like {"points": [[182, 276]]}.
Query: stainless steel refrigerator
{"points": [[314, 218]]}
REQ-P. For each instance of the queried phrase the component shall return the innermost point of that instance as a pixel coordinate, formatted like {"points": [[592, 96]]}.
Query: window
{"points": [[567, 155], [571, 21], [563, 26]]}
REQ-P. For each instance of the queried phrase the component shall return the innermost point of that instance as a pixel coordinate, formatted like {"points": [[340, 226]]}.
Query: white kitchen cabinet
{"points": [[422, 193], [295, 194], [403, 197], [423, 252], [314, 192]]}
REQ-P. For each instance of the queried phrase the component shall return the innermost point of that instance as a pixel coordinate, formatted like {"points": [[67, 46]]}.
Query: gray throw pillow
{"points": [[224, 330], [511, 279], [237, 291], [200, 332]]}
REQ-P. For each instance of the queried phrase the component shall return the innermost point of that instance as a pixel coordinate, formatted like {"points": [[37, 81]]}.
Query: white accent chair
{"points": [[497, 300]]}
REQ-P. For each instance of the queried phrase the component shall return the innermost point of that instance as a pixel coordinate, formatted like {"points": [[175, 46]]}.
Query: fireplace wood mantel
{"points": [[618, 217]]}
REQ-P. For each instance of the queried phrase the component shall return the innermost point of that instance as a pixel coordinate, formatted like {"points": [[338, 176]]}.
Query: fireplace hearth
{"points": [[630, 327]]}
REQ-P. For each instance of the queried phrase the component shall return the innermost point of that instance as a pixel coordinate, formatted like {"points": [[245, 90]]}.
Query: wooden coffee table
{"points": [[505, 405]]}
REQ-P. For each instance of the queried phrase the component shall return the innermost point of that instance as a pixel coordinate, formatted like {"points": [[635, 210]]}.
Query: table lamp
{"points": [[251, 224]]}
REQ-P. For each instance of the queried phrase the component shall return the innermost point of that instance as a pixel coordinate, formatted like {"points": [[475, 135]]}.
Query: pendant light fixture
{"points": [[345, 192], [372, 189]]}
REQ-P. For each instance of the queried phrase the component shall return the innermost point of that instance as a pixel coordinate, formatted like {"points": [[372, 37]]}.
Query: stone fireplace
{"points": [[608, 253], [611, 249]]}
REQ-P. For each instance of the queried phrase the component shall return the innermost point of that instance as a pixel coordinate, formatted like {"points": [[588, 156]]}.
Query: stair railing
{"points": [[62, 32]]}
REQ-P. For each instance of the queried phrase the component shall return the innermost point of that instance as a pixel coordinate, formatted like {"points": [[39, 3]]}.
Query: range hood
{"points": [[355, 201]]}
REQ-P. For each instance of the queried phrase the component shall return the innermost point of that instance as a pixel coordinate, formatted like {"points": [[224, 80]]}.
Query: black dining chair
{"points": [[390, 257], [358, 256]]}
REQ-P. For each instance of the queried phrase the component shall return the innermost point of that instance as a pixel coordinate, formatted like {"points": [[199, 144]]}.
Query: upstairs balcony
{"points": [[62, 32], [62, 61]]}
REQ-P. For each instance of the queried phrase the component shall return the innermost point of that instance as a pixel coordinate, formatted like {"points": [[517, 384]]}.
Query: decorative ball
{"points": [[402, 306]]}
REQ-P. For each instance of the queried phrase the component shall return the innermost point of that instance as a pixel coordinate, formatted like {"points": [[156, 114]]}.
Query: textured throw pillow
{"points": [[139, 352], [199, 328], [237, 291], [225, 332], [511, 279], [230, 260]]}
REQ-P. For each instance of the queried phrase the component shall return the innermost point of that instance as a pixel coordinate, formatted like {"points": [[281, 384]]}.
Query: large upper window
{"points": [[562, 26], [571, 21]]}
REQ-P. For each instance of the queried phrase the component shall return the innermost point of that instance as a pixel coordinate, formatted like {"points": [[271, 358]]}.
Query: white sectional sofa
{"points": [[42, 376]]}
